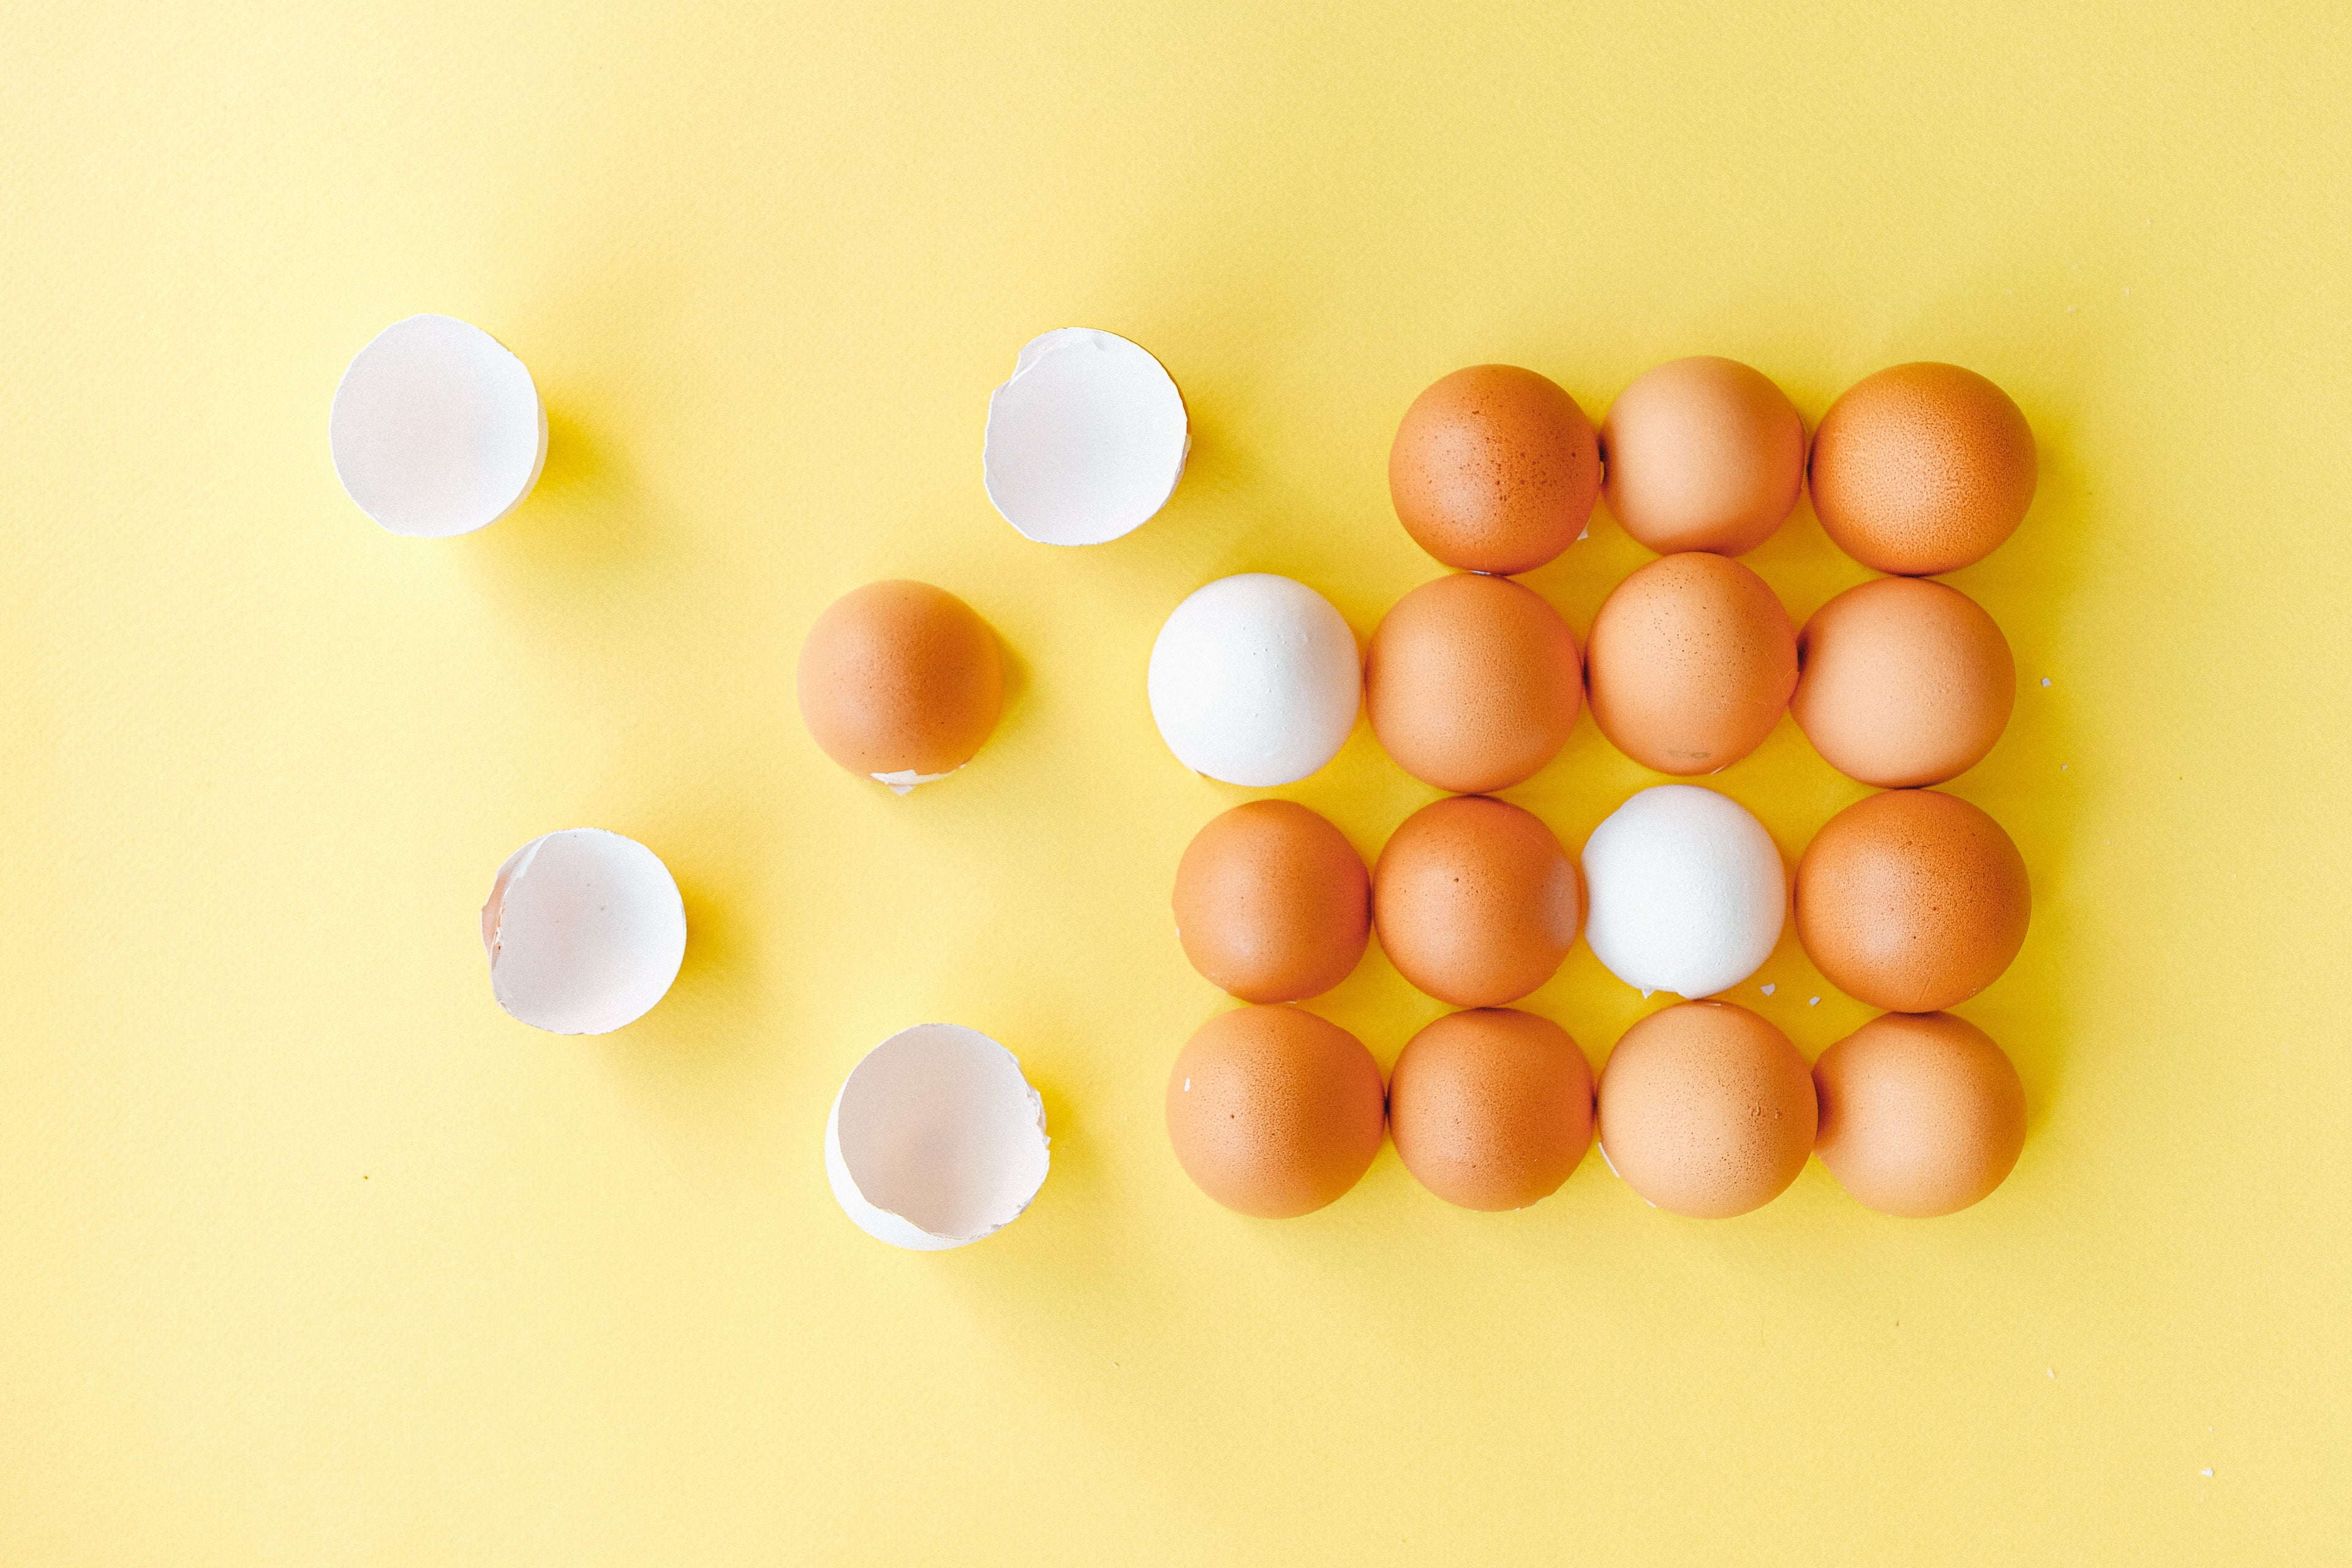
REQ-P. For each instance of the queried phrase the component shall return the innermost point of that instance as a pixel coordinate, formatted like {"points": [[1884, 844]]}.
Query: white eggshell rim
{"points": [[1126, 475], [340, 435], [659, 947]]}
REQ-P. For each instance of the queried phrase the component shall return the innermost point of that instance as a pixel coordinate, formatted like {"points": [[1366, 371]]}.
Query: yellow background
{"points": [[309, 1255]]}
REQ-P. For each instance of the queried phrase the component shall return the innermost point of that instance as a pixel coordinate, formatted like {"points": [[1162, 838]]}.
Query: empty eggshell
{"points": [[1085, 441], [1686, 891], [1912, 900], [901, 682], [436, 428], [1274, 1112], [1703, 454], [1903, 682], [1921, 1115], [1690, 663], [1255, 679], [1476, 901], [1494, 468], [585, 931], [1473, 683], [1922, 469], [1707, 1110], [936, 1139], [1492, 1109], [1272, 902]]}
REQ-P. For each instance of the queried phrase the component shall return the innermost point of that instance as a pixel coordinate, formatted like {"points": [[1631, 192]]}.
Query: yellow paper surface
{"points": [[309, 1255]]}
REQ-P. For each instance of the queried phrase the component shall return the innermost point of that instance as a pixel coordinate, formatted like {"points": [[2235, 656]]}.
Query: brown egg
{"points": [[1707, 1110], [1903, 682], [1494, 468], [1922, 469], [1274, 1112], [1921, 1115], [1912, 900], [1272, 902], [1703, 454], [1473, 683], [901, 682], [1491, 1110], [1690, 664], [1476, 901]]}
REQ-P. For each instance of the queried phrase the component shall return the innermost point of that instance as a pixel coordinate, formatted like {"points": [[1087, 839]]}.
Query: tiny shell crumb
{"points": [[2207, 1474], [1768, 990], [2045, 680], [1814, 1002]]}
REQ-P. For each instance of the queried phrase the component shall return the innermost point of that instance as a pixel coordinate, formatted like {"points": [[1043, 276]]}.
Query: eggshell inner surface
{"points": [[1272, 902], [1903, 682], [1922, 469], [1473, 683], [1912, 900], [1703, 454], [1256, 681], [1492, 1109], [1687, 891], [1274, 1112], [1921, 1115], [1707, 1110], [1494, 468], [1087, 440], [1476, 901], [936, 1139], [585, 930], [1690, 664], [436, 428], [901, 682]]}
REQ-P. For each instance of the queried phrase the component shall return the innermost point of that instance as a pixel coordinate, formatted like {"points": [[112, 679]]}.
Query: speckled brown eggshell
{"points": [[1912, 900], [900, 677], [1921, 1115], [1491, 1109], [1476, 901], [1707, 1110], [1903, 682], [1274, 1112], [1702, 454], [1690, 664], [1473, 683], [1272, 902], [1493, 469], [1922, 469]]}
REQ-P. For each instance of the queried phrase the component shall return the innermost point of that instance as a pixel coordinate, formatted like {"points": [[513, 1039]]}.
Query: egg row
{"points": [[1704, 1109], [1911, 900]]}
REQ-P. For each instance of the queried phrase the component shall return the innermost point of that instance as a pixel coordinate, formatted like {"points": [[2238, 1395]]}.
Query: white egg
{"points": [[1685, 891], [936, 1139], [436, 428], [585, 931], [1085, 441], [1256, 681]]}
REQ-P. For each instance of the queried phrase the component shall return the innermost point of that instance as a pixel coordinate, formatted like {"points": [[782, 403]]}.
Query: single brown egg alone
{"points": [[1272, 902], [1491, 1109], [1702, 454], [1903, 682], [1476, 901], [1274, 1112], [1690, 663], [900, 678], [1473, 683], [1922, 469], [1921, 1115], [1707, 1110], [1493, 469], [1912, 900]]}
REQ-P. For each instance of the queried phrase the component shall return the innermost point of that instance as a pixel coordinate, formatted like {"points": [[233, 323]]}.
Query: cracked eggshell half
{"points": [[436, 428], [936, 1139], [1087, 440], [585, 931], [1256, 681], [1685, 892]]}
